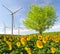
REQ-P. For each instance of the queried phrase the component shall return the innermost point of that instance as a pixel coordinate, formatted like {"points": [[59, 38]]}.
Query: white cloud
{"points": [[25, 31], [54, 28], [15, 31]]}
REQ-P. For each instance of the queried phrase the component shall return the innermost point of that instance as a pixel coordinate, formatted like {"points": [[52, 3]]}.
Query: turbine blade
{"points": [[7, 8], [3, 23], [17, 10]]}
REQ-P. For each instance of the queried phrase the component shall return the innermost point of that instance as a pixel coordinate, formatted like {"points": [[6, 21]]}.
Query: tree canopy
{"points": [[40, 18]]}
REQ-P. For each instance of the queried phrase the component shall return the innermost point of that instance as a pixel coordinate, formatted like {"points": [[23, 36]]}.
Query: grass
{"points": [[44, 34]]}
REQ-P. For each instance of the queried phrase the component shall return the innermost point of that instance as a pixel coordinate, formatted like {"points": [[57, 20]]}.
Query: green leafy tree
{"points": [[40, 18]]}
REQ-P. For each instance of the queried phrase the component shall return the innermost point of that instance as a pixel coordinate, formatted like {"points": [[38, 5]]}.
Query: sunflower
{"points": [[18, 44], [55, 38], [44, 40], [9, 45], [23, 41], [40, 37], [5, 38], [28, 50], [53, 50], [39, 44], [10, 39], [29, 38]]}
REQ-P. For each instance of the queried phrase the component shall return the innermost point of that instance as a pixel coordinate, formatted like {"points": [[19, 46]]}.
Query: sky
{"points": [[13, 5]]}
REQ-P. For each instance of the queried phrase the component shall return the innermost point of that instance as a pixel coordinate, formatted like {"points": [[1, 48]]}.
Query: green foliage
{"points": [[40, 18]]}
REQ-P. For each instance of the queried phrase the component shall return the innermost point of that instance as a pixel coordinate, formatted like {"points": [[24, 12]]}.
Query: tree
{"points": [[40, 18]]}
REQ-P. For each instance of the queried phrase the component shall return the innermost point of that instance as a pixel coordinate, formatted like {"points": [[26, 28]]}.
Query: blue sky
{"points": [[21, 15]]}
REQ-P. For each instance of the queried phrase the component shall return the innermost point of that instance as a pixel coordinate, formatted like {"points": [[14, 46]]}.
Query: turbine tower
{"points": [[4, 27], [12, 14], [19, 29]]}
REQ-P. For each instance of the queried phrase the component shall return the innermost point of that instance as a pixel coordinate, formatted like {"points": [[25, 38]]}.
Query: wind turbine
{"points": [[19, 26], [18, 29], [12, 14], [4, 27]]}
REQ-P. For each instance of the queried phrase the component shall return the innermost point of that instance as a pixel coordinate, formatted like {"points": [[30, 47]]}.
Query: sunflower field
{"points": [[30, 44]]}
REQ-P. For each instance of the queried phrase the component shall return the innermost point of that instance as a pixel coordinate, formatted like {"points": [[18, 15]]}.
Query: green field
{"points": [[46, 33]]}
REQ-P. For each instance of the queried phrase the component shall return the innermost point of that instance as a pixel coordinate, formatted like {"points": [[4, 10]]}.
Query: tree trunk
{"points": [[40, 32]]}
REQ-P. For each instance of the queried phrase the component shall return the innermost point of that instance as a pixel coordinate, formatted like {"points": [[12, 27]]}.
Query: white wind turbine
{"points": [[19, 26], [4, 27], [12, 14]]}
